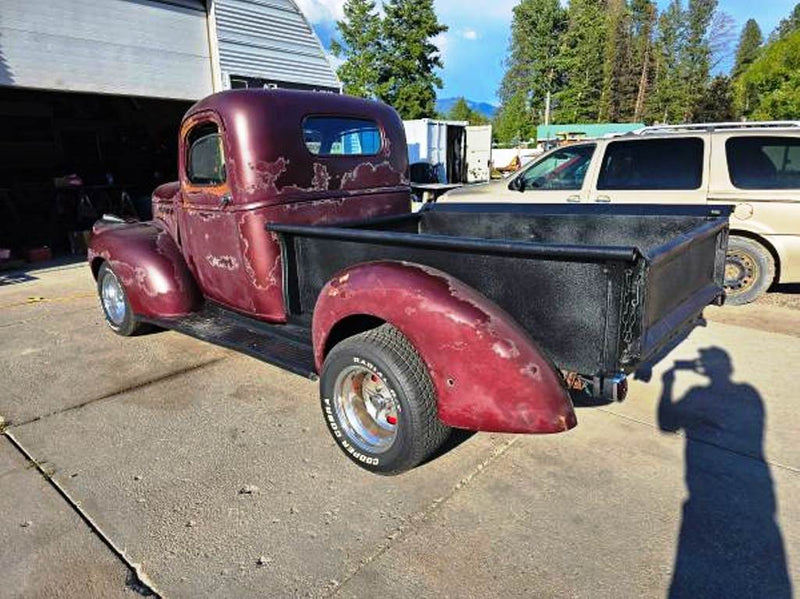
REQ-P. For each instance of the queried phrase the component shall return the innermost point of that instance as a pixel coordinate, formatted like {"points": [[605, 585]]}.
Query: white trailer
{"points": [[456, 151]]}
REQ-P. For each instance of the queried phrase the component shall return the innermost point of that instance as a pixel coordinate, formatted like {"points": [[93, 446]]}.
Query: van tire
{"points": [[384, 359], [749, 270]]}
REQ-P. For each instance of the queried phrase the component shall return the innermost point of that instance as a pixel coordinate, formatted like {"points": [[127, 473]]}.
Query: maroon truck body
{"points": [[289, 237], [211, 243]]}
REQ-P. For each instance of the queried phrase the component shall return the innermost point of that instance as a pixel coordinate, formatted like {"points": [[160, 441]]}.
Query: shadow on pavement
{"points": [[12, 278], [456, 438], [790, 288], [25, 272], [730, 544]]}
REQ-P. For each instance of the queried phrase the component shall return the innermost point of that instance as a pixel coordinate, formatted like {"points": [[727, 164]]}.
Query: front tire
{"points": [[114, 300], [378, 402], [749, 270]]}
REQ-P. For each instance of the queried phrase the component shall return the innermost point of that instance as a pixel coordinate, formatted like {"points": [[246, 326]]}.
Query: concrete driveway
{"points": [[162, 465]]}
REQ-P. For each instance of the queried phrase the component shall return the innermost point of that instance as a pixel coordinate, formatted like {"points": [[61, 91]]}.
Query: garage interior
{"points": [[92, 93], [66, 158]]}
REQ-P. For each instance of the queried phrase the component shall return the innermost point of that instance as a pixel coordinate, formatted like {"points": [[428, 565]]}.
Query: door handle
{"points": [[603, 199], [225, 200], [574, 198]]}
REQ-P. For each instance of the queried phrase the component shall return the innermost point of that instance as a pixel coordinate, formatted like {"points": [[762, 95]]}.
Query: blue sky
{"points": [[475, 46]]}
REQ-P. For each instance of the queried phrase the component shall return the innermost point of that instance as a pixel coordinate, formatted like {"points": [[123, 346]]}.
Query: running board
{"points": [[287, 346]]}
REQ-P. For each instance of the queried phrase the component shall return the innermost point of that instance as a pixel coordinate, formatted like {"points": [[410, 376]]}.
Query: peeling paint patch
{"points": [[269, 173], [321, 179], [223, 262], [505, 348], [368, 174]]}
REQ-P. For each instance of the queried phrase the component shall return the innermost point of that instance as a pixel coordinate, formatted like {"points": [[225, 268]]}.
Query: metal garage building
{"points": [[92, 92]]}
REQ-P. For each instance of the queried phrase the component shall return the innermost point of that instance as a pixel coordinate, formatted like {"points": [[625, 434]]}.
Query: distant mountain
{"points": [[443, 106]]}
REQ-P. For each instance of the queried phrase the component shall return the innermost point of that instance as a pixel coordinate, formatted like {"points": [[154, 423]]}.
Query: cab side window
{"points": [[205, 164], [656, 164], [764, 162], [561, 170]]}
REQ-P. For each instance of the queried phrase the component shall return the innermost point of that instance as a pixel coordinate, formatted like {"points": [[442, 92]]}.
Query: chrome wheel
{"points": [[367, 408], [741, 271], [113, 298]]}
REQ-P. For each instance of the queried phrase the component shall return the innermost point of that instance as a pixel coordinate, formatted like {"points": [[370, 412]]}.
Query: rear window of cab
{"points": [[341, 136]]}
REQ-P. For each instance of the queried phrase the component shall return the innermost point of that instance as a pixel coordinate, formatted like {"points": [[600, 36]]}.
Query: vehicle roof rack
{"points": [[718, 126]]}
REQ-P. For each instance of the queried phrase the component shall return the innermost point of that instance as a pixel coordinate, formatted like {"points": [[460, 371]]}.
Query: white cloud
{"points": [[442, 42], [320, 11], [469, 34]]}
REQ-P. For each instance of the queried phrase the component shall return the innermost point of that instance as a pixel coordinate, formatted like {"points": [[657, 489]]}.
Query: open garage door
{"points": [[128, 47]]}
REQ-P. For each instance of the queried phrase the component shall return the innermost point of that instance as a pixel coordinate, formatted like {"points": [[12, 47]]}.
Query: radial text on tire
{"points": [[378, 402]]}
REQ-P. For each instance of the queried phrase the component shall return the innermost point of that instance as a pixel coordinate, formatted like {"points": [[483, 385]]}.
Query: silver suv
{"points": [[753, 166]]}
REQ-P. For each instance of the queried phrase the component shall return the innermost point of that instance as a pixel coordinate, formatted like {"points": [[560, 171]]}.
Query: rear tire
{"points": [[114, 300], [749, 270], [378, 402]]}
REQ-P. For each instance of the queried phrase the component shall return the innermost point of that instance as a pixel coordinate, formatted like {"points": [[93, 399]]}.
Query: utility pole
{"points": [[547, 109]]}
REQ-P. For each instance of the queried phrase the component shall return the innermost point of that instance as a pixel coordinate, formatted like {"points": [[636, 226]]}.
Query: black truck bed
{"points": [[600, 288]]}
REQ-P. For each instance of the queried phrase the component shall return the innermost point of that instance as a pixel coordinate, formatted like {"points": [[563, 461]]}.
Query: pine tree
{"points": [[408, 79], [619, 79], [667, 102], [787, 26], [461, 111], [773, 81], [532, 67], [514, 123], [696, 56], [359, 47], [581, 62], [717, 104], [749, 47], [643, 15]]}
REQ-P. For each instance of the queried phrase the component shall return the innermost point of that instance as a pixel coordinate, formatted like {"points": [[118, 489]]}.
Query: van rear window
{"points": [[764, 162], [653, 164], [341, 136]]}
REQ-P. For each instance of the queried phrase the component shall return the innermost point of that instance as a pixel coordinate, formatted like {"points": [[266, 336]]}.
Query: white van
{"points": [[754, 166]]}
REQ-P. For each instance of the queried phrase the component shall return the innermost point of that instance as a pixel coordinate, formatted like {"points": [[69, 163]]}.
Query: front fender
{"points": [[488, 373], [150, 267]]}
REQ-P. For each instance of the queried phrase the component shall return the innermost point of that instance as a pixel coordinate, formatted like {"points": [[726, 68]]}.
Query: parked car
{"points": [[289, 237], [753, 166]]}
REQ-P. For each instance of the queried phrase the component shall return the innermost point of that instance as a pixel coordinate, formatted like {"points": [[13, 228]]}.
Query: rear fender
{"points": [[150, 267], [487, 372]]}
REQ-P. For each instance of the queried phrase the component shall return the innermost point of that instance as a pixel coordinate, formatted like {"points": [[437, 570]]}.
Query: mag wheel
{"points": [[116, 307], [378, 402]]}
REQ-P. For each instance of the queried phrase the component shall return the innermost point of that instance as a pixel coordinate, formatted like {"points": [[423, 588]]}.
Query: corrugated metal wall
{"points": [[130, 47], [270, 40]]}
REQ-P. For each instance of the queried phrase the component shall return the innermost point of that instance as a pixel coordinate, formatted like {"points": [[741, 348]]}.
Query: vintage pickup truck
{"points": [[289, 237]]}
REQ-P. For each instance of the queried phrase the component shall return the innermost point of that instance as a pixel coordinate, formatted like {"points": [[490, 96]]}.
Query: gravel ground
{"points": [[786, 296]]}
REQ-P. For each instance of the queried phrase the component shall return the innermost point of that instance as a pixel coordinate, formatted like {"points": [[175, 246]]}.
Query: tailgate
{"points": [[682, 277]]}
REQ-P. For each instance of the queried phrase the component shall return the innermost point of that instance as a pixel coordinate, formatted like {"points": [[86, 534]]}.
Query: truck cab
{"points": [[249, 157]]}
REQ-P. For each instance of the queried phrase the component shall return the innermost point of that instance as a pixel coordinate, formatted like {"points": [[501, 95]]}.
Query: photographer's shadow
{"points": [[730, 544]]}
